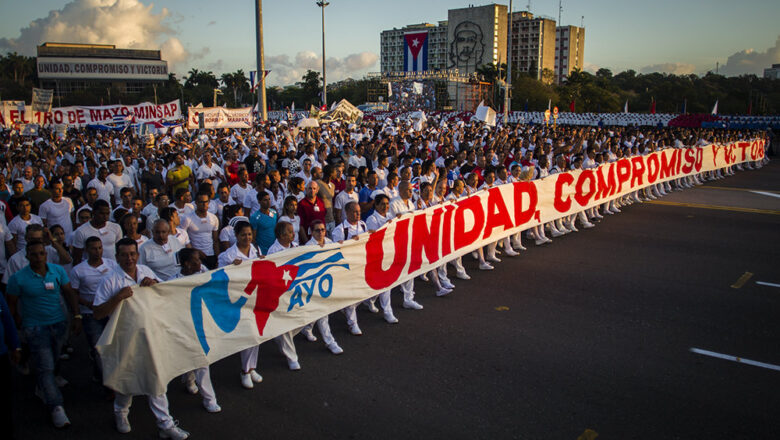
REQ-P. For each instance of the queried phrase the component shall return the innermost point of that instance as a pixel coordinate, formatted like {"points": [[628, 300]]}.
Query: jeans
{"points": [[93, 328], [45, 342]]}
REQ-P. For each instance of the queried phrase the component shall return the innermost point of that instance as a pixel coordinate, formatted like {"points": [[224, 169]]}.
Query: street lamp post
{"points": [[508, 89], [322, 4], [260, 62]]}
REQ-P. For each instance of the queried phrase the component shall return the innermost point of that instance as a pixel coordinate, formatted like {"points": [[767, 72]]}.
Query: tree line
{"points": [[599, 92]]}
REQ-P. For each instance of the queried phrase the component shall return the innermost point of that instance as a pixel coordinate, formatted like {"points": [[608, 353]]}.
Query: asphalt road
{"points": [[592, 332]]}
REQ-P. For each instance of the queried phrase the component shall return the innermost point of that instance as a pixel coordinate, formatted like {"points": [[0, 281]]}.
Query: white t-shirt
{"points": [[295, 221], [232, 253], [86, 279], [342, 199], [18, 226], [182, 236], [57, 213], [119, 182], [201, 231], [109, 235], [161, 259], [104, 190]]}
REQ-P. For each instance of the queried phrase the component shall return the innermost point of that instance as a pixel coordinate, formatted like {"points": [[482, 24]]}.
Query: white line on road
{"points": [[763, 193], [736, 359], [764, 283]]}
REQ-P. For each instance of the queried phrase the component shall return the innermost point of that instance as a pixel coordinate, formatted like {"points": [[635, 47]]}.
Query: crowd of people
{"points": [[86, 219]]}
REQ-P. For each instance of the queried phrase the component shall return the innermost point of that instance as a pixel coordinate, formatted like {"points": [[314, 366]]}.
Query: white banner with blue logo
{"points": [[170, 328]]}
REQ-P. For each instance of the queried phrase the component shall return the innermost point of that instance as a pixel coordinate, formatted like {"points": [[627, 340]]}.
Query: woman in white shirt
{"points": [[230, 216], [289, 215], [284, 240], [244, 249]]}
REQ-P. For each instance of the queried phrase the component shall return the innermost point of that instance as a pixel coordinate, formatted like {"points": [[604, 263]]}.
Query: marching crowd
{"points": [[86, 218]]}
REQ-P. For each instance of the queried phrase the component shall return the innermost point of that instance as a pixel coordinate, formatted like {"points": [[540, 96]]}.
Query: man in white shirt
{"points": [[203, 229], [109, 233], [58, 209], [117, 287], [105, 189], [159, 253], [351, 227], [398, 206], [120, 179], [86, 277], [376, 220], [348, 195]]}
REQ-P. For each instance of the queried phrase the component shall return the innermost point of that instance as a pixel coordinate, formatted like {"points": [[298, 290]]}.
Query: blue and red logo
{"points": [[303, 275]]}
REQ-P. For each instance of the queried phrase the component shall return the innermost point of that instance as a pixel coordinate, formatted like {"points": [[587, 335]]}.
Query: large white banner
{"points": [[79, 116], [168, 329], [220, 117]]}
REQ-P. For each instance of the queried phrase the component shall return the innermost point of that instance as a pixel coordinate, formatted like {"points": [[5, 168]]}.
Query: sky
{"points": [[673, 36]]}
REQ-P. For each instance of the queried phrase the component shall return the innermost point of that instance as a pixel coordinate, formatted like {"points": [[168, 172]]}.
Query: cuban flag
{"points": [[416, 52]]}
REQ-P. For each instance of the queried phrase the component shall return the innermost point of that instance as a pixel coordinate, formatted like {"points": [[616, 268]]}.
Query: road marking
{"points": [[741, 280], [589, 434], [502, 308], [766, 193], [727, 188], [737, 359], [716, 207], [764, 283]]}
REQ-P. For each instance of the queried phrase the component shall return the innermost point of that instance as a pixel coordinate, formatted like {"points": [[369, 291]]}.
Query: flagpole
{"points": [[260, 61], [507, 90], [322, 4]]}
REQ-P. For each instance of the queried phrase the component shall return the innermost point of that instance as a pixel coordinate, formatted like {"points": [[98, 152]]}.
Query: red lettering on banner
{"points": [[606, 187], [743, 146], [690, 158], [580, 195], [699, 159], [47, 117], [425, 237], [105, 115], [80, 116], [58, 117], [638, 165], [560, 204], [497, 214], [2, 119], [95, 114], [679, 160], [623, 172], [652, 167], [446, 233], [71, 117], [714, 155], [668, 163], [376, 277], [463, 237], [521, 189], [174, 107], [14, 115]]}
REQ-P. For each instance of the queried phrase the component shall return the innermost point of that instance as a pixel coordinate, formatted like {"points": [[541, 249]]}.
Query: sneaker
{"points": [[424, 277], [390, 318], [174, 432], [447, 285], [246, 381], [212, 407], [493, 259], [588, 225], [335, 349], [355, 330], [412, 304], [485, 266], [463, 275], [293, 365], [518, 246], [556, 233], [59, 418], [192, 387], [540, 242], [443, 292], [371, 306], [122, 424], [255, 376], [309, 334], [60, 381], [511, 253]]}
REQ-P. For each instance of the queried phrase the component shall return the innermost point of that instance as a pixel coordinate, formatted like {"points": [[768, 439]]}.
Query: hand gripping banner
{"points": [[168, 329]]}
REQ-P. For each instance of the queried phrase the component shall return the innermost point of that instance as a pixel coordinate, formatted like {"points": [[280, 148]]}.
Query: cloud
{"points": [[590, 67], [750, 61], [287, 71], [124, 23], [673, 68]]}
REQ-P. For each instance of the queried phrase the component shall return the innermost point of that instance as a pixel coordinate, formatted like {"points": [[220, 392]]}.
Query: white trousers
{"points": [[202, 377], [158, 405]]}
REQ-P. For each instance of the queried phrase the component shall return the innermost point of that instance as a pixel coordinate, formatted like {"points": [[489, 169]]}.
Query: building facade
{"points": [[67, 67], [392, 46], [569, 51], [772, 72], [477, 35]]}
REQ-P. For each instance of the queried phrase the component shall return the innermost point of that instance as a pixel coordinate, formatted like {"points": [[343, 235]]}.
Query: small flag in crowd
{"points": [[715, 108]]}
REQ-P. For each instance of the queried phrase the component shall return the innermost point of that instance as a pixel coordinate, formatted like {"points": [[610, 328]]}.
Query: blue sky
{"points": [[675, 36]]}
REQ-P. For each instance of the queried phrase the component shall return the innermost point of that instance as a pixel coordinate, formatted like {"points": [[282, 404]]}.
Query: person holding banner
{"points": [[351, 228], [115, 288], [243, 250], [285, 236], [319, 237], [399, 206]]}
